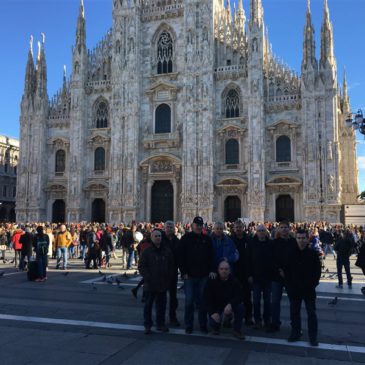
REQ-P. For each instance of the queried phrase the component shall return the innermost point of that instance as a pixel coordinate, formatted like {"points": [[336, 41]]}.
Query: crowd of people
{"points": [[228, 269]]}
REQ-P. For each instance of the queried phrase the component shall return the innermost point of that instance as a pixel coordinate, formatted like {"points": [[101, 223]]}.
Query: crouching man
{"points": [[157, 269], [302, 274], [223, 299]]}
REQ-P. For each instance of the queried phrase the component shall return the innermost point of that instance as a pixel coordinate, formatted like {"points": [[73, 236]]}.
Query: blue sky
{"points": [[57, 19]]}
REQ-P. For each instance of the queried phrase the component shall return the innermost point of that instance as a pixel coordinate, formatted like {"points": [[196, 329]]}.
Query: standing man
{"points": [[27, 245], [282, 245], [343, 247], [157, 269], [302, 274], [241, 240], [106, 244], [172, 242], [40, 244], [196, 264], [62, 242]]}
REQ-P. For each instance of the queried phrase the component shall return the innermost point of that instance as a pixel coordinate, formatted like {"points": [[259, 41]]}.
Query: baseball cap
{"points": [[198, 220]]}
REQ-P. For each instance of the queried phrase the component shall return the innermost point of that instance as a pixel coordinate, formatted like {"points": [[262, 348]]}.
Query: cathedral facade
{"points": [[182, 109]]}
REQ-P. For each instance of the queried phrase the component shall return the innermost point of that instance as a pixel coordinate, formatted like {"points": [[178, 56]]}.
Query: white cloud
{"points": [[361, 162]]}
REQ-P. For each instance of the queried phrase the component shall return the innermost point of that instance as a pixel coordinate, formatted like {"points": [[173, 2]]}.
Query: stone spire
{"points": [[81, 29], [309, 46], [346, 99], [256, 14], [327, 53], [30, 71], [64, 84], [240, 17], [41, 69]]}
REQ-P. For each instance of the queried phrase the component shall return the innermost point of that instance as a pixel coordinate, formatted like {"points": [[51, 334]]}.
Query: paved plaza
{"points": [[80, 317]]}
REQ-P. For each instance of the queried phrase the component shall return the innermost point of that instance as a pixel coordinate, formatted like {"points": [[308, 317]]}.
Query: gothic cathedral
{"points": [[182, 109]]}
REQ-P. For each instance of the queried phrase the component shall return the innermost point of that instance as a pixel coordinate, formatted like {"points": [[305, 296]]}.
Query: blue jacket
{"points": [[224, 248]]}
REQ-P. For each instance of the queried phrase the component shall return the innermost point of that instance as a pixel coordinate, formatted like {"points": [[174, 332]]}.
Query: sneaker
{"points": [[239, 335], [147, 330], [174, 322], [38, 280], [313, 342], [188, 330], [339, 286], [162, 328], [294, 337]]}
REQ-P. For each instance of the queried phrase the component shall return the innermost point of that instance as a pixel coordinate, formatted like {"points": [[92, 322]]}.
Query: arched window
{"points": [[99, 159], [232, 104], [283, 149], [60, 164], [232, 152], [163, 119], [164, 53], [102, 115]]}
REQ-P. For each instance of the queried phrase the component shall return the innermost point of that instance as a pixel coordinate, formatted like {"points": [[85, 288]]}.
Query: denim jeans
{"points": [[130, 257], [296, 323], [343, 261], [276, 295], [238, 311], [328, 248], [62, 253], [42, 264], [194, 295], [160, 299], [83, 250], [263, 288]]}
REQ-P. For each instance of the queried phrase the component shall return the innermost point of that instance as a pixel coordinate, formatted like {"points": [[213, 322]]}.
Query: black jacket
{"points": [[106, 242], [240, 267], [157, 268], [174, 245], [196, 257], [260, 260], [218, 293], [343, 246], [281, 255], [27, 243], [302, 272]]}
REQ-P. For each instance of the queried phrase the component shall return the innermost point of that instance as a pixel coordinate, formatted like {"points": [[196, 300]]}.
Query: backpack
{"points": [[42, 245]]}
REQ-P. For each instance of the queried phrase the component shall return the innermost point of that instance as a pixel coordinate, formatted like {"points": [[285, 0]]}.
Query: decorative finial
{"points": [[31, 44], [64, 71], [309, 6], [39, 51], [43, 38]]}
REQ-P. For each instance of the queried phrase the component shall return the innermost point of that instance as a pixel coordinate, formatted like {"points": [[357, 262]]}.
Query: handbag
{"points": [[3, 247]]}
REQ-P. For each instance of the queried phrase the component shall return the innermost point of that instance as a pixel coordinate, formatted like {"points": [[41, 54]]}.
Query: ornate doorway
{"points": [[58, 211], [285, 208], [98, 211], [162, 201], [232, 208]]}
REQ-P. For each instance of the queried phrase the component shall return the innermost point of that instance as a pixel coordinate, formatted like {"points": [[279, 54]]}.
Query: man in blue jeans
{"points": [[282, 245], [196, 265], [40, 244]]}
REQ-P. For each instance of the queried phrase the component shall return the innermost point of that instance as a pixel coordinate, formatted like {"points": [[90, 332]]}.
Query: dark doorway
{"points": [[12, 215], [232, 208], [285, 208], [59, 211], [162, 201], [3, 214], [98, 211]]}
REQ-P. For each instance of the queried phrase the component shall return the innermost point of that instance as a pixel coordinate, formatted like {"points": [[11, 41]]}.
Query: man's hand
{"points": [[228, 310], [212, 275], [216, 317], [250, 280]]}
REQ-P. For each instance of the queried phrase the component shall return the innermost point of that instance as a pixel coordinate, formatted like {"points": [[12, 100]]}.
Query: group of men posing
{"points": [[222, 274]]}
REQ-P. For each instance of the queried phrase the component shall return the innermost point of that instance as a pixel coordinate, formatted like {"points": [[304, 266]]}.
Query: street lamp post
{"points": [[356, 121]]}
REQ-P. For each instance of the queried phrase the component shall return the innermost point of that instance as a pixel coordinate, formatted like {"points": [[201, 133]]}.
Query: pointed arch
{"points": [[231, 101], [101, 113]]}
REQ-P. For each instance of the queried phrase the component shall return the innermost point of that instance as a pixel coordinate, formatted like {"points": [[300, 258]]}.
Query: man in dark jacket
{"points": [[40, 245], [302, 274], [172, 242], [241, 239], [282, 245], [27, 246], [223, 297], [259, 271], [343, 247], [106, 244], [196, 264], [157, 268]]}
